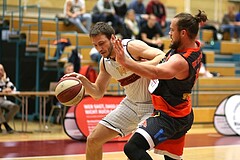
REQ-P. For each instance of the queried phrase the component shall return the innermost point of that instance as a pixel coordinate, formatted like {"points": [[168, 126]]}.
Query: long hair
{"points": [[4, 77], [190, 23]]}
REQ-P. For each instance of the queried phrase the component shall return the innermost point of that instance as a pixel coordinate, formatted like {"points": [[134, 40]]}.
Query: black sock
{"points": [[8, 128]]}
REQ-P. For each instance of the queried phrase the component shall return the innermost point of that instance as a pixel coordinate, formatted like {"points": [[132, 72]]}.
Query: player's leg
{"points": [[96, 139], [136, 148], [152, 132], [168, 158], [119, 122], [172, 149]]}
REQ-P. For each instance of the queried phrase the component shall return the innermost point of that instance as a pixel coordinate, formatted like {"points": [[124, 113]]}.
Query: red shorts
{"points": [[171, 147]]}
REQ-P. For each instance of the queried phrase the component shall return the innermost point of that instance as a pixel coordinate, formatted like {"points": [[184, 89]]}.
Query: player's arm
{"points": [[68, 9], [141, 51], [97, 89], [174, 67]]}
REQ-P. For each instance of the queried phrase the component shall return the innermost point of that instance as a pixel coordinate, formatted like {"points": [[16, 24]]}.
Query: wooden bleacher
{"points": [[225, 69], [218, 84], [52, 4], [228, 47], [46, 25], [206, 35], [210, 56], [211, 91], [83, 39]]}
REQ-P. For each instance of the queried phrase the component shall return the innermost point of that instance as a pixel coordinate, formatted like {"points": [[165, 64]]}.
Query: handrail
{"points": [[4, 8], [21, 8], [48, 44]]}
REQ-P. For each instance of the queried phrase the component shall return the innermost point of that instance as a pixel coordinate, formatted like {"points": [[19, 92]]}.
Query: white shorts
{"points": [[126, 117]]}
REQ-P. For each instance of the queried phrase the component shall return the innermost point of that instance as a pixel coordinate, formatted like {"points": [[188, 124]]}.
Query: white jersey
{"points": [[136, 87]]}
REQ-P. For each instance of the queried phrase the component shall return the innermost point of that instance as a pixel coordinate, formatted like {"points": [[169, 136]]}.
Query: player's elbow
{"points": [[97, 96], [161, 75], [168, 75]]}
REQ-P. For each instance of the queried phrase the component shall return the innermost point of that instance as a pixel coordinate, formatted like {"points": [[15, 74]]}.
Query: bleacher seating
{"points": [[207, 93]]}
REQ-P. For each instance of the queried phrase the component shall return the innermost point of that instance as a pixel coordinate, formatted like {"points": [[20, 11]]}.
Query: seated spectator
{"points": [[157, 8], [237, 18], [11, 109], [151, 33], [103, 11], [120, 7], [237, 24], [207, 26], [75, 11], [68, 68], [228, 23], [131, 23], [95, 55], [140, 11]]}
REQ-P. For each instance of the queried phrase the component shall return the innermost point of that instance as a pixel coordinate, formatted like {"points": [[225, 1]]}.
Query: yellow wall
{"points": [[175, 6]]}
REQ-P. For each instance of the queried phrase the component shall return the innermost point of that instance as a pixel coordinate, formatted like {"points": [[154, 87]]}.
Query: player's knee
{"points": [[16, 108], [92, 141], [136, 147]]}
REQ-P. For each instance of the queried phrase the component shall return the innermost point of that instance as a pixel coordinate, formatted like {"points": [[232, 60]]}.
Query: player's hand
{"points": [[118, 49], [73, 74], [7, 90]]}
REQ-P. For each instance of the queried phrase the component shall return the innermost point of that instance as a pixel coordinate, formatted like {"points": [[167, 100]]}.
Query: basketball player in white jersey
{"points": [[136, 106]]}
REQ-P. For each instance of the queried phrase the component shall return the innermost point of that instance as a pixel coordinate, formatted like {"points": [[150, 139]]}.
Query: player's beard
{"points": [[175, 44], [110, 49]]}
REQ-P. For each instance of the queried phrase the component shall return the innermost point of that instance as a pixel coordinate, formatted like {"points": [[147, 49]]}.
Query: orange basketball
{"points": [[69, 91]]}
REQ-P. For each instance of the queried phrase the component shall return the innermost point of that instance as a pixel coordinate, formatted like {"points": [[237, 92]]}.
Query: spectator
{"points": [[207, 26], [140, 11], [150, 33], [6, 86], [137, 6], [237, 24], [157, 8], [75, 11], [237, 18], [131, 23], [68, 68], [103, 11], [228, 22], [120, 7]]}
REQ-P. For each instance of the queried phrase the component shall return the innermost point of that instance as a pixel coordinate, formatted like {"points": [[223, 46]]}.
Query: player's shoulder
{"points": [[134, 43]]}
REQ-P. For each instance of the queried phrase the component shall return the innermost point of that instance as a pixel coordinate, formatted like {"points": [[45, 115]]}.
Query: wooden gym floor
{"points": [[202, 143]]}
